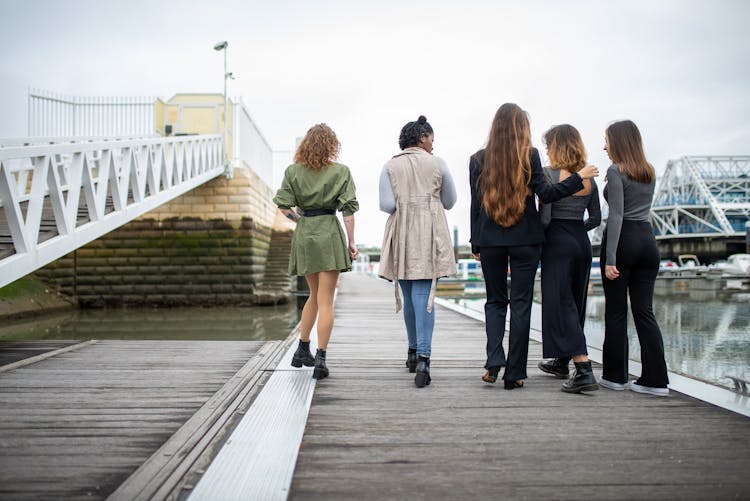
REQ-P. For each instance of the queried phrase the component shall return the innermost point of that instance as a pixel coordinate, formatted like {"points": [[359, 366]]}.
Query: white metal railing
{"points": [[134, 176], [54, 114], [6, 142], [250, 146]]}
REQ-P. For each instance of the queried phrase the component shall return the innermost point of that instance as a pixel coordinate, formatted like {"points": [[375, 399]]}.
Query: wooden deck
{"points": [[133, 418], [371, 434]]}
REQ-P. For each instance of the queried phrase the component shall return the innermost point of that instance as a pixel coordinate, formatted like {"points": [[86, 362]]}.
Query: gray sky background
{"points": [[679, 69]]}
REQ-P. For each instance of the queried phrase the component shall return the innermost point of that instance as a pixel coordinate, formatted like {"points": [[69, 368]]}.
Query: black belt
{"points": [[318, 212]]}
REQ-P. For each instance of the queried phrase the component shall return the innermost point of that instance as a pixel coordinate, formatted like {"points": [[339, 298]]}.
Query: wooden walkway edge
{"points": [[164, 474], [371, 434], [133, 418]]}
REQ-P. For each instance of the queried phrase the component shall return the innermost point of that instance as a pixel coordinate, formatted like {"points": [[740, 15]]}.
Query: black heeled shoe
{"points": [[320, 371], [582, 380], [423, 378], [411, 360], [490, 375], [512, 385], [303, 356]]}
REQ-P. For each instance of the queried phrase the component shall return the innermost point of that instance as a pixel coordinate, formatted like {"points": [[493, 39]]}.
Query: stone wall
{"points": [[206, 247]]}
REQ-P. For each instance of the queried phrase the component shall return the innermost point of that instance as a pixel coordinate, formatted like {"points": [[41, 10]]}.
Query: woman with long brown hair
{"points": [[566, 263], [318, 187], [630, 262], [506, 229]]}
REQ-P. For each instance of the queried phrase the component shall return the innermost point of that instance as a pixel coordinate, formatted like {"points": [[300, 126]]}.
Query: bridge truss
{"points": [[56, 198], [700, 196], [703, 196]]}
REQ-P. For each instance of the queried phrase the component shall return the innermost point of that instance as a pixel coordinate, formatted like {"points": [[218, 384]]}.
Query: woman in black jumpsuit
{"points": [[566, 263]]}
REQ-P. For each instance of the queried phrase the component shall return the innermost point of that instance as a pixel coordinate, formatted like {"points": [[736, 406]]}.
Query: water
{"points": [[237, 324], [706, 335]]}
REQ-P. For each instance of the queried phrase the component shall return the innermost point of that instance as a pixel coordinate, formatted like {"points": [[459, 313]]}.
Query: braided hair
{"points": [[411, 132]]}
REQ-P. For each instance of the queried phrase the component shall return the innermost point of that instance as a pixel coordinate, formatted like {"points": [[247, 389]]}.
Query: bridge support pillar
{"points": [[207, 247]]}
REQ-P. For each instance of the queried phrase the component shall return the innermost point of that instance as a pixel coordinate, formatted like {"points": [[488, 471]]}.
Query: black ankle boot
{"points": [[422, 378], [582, 380], [320, 371], [303, 356], [558, 367], [411, 359]]}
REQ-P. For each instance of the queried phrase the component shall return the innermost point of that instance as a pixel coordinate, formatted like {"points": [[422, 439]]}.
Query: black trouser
{"points": [[566, 266], [638, 264], [524, 260]]}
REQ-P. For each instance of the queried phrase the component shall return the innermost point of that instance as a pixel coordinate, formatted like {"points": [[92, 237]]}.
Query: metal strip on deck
{"points": [[258, 459], [709, 393]]}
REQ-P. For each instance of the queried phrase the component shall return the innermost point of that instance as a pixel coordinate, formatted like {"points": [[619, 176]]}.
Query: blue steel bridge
{"points": [[701, 206]]}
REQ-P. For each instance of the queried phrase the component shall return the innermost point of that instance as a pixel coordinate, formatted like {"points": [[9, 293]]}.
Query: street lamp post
{"points": [[223, 46]]}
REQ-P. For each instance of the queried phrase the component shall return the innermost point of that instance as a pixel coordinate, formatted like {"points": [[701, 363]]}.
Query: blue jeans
{"points": [[419, 323]]}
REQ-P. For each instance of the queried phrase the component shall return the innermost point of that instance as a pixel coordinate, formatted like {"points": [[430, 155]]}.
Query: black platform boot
{"points": [[411, 359], [558, 367], [320, 371], [422, 378], [303, 356], [582, 380]]}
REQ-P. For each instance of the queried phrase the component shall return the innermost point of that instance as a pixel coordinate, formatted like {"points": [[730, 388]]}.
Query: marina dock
{"points": [[146, 419], [371, 434]]}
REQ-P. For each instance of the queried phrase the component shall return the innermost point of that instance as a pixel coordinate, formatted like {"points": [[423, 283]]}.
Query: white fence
{"points": [[249, 144], [118, 180], [52, 114]]}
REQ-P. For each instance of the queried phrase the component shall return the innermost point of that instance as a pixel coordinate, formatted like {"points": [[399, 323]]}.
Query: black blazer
{"points": [[485, 232]]}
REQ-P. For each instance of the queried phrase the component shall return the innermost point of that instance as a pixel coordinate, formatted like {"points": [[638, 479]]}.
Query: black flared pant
{"points": [[566, 265], [523, 261], [638, 264]]}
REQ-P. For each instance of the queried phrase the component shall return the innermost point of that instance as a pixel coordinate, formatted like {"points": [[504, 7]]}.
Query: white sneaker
{"points": [[649, 390], [611, 385]]}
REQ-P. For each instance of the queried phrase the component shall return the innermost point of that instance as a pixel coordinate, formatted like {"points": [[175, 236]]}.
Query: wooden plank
{"points": [[19, 354], [161, 473], [371, 434], [76, 425]]}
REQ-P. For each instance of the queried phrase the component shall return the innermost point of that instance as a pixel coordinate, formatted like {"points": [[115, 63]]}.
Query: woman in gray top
{"points": [[630, 262], [566, 263]]}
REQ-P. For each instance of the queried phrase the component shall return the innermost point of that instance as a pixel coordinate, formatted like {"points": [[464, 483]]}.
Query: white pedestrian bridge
{"points": [[55, 198]]}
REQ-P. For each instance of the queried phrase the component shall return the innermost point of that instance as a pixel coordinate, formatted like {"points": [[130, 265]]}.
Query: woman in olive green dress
{"points": [[318, 187]]}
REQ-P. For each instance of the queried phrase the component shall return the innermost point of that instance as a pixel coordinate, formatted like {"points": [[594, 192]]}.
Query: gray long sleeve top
{"points": [[572, 207], [628, 201], [388, 199]]}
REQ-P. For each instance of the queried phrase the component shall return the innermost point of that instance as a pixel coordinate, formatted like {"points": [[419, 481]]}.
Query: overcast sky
{"points": [[679, 69]]}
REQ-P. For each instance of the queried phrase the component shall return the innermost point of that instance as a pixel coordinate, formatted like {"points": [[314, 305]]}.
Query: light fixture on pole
{"points": [[223, 46]]}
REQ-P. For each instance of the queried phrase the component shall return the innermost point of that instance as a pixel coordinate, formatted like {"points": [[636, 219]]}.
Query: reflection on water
{"points": [[257, 323], [706, 334]]}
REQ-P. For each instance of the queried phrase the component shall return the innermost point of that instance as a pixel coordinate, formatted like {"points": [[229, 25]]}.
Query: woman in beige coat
{"points": [[415, 189]]}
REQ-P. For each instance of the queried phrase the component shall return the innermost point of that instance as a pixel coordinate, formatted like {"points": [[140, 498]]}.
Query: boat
{"points": [[690, 274], [468, 280], [735, 265]]}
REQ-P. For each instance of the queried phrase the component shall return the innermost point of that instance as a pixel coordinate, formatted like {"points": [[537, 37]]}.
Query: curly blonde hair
{"points": [[320, 147], [565, 148]]}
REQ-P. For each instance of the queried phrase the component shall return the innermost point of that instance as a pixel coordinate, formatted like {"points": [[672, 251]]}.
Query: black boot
{"points": [[411, 359], [558, 367], [582, 380], [320, 371], [303, 356], [422, 378]]}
